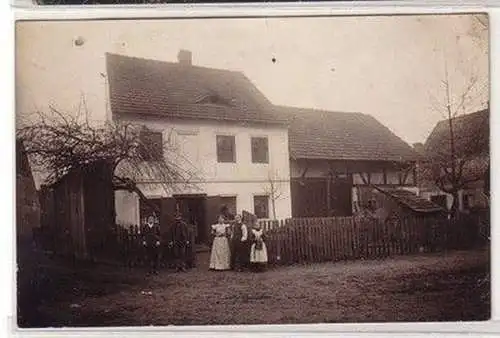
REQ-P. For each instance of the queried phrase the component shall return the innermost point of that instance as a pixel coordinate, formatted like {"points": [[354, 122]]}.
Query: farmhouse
{"points": [[242, 151], [222, 128], [248, 153], [471, 143]]}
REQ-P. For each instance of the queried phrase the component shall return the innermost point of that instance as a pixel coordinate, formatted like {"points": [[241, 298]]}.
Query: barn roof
{"points": [[319, 134], [411, 200], [177, 90]]}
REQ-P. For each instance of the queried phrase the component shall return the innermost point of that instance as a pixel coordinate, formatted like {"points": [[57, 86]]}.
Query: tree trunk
{"points": [[455, 207], [273, 203]]}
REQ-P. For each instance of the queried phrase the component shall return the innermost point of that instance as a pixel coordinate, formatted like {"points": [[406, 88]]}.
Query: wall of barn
{"points": [[314, 195]]}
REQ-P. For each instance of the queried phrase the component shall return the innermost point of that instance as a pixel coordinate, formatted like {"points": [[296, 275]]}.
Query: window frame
{"points": [[268, 199], [235, 197], [253, 158], [155, 156], [218, 154]]}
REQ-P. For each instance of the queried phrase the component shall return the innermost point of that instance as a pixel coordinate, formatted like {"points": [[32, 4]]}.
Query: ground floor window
{"points": [[261, 206], [228, 203]]}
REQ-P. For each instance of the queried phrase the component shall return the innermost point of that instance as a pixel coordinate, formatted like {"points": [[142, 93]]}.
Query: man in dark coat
{"points": [[239, 244], [151, 242], [179, 239]]}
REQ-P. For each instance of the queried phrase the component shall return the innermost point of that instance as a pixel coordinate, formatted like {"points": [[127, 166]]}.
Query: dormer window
{"points": [[214, 99]]}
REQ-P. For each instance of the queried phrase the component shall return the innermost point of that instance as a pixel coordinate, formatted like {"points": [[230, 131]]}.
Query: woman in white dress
{"points": [[258, 250], [220, 258]]}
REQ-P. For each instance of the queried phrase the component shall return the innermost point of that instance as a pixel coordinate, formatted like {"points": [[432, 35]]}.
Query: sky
{"points": [[391, 67]]}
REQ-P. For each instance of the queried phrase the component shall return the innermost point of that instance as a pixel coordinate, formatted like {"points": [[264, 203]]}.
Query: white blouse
{"points": [[257, 233], [220, 229]]}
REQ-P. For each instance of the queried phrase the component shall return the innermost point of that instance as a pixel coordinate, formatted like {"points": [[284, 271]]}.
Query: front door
{"points": [[341, 195], [193, 212]]}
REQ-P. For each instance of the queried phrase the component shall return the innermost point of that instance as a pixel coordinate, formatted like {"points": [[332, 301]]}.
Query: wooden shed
{"points": [[78, 212], [387, 202]]}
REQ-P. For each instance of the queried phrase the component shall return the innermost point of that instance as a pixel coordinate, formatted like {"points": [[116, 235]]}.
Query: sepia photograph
{"points": [[251, 171]]}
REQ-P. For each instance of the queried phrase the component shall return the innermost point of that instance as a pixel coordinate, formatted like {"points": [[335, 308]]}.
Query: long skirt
{"points": [[220, 257], [258, 256], [240, 254]]}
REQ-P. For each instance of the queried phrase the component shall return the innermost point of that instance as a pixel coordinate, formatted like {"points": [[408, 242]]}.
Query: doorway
{"points": [[192, 210], [340, 203], [146, 210]]}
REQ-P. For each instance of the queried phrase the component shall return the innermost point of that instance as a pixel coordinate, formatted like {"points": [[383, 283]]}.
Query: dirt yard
{"points": [[418, 288]]}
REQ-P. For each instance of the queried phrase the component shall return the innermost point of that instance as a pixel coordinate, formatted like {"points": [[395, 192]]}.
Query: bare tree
{"points": [[479, 30], [273, 190], [457, 159], [59, 143]]}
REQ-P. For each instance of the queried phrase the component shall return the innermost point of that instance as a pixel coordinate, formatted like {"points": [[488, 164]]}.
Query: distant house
{"points": [[223, 128], [336, 157], [471, 143]]}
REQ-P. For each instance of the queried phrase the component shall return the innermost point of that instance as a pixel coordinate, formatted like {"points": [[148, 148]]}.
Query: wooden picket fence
{"points": [[346, 238], [129, 240], [131, 251]]}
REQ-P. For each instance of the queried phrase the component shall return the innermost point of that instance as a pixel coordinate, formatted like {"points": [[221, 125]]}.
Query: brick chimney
{"points": [[185, 57]]}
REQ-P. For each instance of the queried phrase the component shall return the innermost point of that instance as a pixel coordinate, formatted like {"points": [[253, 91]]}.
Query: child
{"points": [[258, 250]]}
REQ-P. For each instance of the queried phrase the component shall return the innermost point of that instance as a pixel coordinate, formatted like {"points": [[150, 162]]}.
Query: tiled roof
{"points": [[141, 86], [175, 90], [471, 135], [411, 200], [317, 134]]}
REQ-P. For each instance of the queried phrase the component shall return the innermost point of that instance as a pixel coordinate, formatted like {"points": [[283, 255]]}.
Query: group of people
{"points": [[237, 246], [179, 249]]}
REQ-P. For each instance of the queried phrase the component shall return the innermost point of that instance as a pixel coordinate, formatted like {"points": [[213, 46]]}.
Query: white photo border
{"points": [[26, 12]]}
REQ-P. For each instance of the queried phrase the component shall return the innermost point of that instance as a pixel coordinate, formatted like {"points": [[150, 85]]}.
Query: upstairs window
{"points": [[226, 149], [260, 150], [151, 147], [261, 206]]}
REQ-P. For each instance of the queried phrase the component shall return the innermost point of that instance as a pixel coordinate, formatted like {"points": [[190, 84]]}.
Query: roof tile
{"points": [[317, 134]]}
